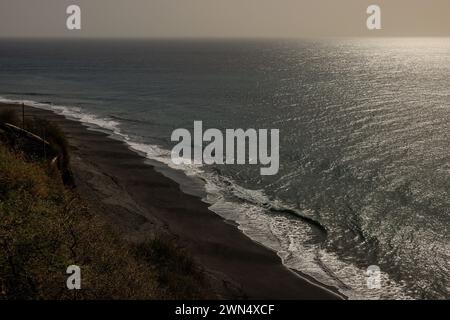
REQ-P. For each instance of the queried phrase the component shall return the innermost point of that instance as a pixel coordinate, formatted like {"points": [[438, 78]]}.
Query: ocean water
{"points": [[364, 139]]}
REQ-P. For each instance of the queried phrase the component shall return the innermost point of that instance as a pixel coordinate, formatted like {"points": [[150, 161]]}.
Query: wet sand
{"points": [[139, 202]]}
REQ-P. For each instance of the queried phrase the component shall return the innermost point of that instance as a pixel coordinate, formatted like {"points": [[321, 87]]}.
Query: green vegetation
{"points": [[45, 227], [177, 274], [54, 135], [47, 131]]}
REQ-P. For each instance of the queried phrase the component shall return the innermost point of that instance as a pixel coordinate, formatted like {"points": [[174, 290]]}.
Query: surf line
{"points": [[241, 147]]}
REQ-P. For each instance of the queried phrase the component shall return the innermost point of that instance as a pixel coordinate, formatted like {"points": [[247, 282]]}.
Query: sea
{"points": [[364, 176]]}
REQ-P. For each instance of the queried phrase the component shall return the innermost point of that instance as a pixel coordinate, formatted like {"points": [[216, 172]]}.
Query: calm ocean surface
{"points": [[364, 139]]}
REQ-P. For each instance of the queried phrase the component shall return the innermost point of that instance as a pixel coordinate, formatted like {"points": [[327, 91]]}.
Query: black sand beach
{"points": [[140, 202]]}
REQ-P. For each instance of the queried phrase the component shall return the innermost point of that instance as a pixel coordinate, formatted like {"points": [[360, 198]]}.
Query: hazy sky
{"points": [[223, 18]]}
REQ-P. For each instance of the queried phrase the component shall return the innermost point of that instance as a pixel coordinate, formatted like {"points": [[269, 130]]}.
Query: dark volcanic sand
{"points": [[139, 201]]}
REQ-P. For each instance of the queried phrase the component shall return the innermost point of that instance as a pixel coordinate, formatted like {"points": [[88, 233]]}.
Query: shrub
{"points": [[178, 275], [49, 132], [45, 227], [9, 116]]}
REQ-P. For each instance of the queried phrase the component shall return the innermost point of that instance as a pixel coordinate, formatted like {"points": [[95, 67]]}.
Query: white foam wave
{"points": [[74, 113]]}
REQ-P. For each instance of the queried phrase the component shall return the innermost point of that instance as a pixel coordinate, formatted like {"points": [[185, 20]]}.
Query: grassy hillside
{"points": [[45, 227]]}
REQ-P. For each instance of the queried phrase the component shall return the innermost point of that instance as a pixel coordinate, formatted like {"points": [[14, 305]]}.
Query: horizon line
{"points": [[177, 38]]}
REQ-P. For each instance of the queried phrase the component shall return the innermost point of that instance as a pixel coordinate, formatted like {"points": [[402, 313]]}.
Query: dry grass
{"points": [[44, 228], [49, 132]]}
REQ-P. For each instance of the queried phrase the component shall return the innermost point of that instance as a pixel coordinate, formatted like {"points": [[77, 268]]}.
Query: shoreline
{"points": [[140, 201]]}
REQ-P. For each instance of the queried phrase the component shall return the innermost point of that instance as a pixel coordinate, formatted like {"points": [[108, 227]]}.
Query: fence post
{"points": [[23, 116], [45, 150]]}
